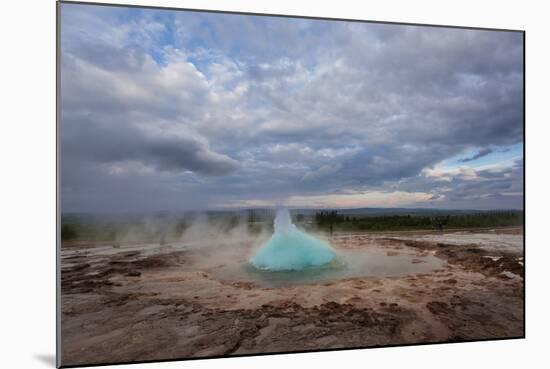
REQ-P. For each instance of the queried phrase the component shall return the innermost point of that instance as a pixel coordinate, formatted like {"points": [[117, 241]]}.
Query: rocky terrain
{"points": [[139, 302]]}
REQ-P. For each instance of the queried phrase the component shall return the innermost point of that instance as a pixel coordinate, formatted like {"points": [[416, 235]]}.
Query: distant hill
{"points": [[398, 211], [67, 217]]}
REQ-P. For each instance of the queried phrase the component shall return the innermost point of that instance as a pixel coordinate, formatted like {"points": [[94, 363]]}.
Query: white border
{"points": [[27, 37]]}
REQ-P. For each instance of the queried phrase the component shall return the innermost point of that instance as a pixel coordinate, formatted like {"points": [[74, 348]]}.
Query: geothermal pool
{"points": [[289, 257], [373, 262], [292, 257]]}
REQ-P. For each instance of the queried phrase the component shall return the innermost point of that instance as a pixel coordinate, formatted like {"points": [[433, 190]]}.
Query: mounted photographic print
{"points": [[238, 184]]}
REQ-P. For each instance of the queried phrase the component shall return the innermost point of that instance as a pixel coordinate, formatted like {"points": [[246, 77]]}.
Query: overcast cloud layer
{"points": [[166, 110]]}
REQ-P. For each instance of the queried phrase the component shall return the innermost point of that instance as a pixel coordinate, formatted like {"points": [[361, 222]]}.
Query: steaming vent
{"points": [[290, 248]]}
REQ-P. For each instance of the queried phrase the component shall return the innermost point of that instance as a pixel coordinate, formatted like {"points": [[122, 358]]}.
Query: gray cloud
{"points": [[184, 109], [159, 150], [478, 155]]}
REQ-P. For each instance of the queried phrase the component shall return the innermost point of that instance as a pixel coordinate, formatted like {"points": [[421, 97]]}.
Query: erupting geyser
{"points": [[290, 248]]}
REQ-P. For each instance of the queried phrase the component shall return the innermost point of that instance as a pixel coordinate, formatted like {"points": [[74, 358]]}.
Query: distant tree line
{"points": [[76, 228], [328, 220], [108, 229], [151, 228]]}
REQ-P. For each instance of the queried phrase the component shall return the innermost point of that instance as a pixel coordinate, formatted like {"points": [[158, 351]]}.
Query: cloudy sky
{"points": [[164, 110]]}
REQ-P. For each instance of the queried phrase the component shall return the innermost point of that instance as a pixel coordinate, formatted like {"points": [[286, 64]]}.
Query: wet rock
{"points": [[450, 281], [438, 307], [80, 267]]}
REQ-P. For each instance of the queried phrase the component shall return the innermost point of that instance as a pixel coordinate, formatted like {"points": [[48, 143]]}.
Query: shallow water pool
{"points": [[347, 264]]}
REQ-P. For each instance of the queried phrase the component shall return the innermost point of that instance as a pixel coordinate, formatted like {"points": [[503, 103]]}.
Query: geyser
{"points": [[291, 249]]}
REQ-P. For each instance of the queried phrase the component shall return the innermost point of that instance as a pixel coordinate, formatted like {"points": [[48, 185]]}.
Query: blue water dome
{"points": [[291, 249]]}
